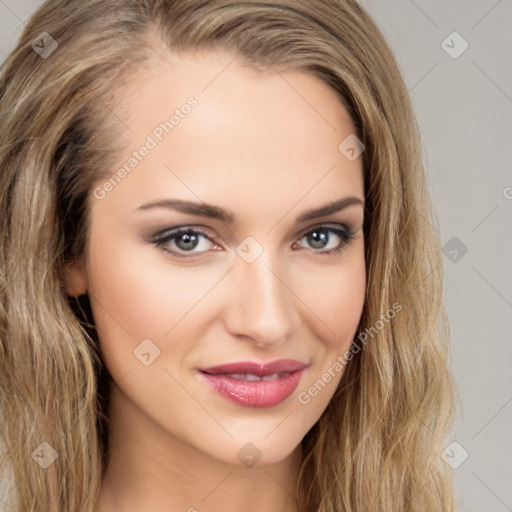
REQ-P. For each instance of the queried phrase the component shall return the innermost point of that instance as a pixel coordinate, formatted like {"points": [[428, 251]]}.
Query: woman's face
{"points": [[248, 279]]}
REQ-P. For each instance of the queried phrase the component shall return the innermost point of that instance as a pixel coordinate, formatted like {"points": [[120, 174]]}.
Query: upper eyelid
{"points": [[172, 232]]}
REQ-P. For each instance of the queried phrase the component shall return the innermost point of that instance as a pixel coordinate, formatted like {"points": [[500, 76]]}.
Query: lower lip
{"points": [[254, 393]]}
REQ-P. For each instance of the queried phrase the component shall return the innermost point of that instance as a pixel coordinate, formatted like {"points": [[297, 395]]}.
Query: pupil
{"points": [[318, 237], [190, 240]]}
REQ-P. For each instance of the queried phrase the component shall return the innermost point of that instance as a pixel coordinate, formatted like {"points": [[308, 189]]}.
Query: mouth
{"points": [[249, 377], [255, 384], [255, 368]]}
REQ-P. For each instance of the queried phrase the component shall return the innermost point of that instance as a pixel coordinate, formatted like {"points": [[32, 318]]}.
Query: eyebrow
{"points": [[214, 212]]}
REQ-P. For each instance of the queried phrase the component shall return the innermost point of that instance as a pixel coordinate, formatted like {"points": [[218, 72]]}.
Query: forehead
{"points": [[216, 126]]}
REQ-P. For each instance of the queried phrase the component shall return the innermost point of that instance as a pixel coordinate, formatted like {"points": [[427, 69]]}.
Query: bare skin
{"points": [[265, 148]]}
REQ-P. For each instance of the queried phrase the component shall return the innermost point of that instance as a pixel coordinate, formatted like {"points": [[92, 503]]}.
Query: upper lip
{"points": [[254, 368]]}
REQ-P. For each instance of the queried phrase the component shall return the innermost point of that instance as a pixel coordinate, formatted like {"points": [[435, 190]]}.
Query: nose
{"points": [[261, 306]]}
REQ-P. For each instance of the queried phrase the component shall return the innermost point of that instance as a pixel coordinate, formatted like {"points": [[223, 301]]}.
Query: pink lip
{"points": [[255, 393]]}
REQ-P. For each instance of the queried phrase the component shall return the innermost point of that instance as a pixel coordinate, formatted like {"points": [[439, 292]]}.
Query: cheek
{"points": [[335, 306], [135, 288], [335, 295], [124, 295]]}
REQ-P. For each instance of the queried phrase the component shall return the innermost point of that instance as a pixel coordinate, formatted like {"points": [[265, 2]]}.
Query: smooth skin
{"points": [[264, 147]]}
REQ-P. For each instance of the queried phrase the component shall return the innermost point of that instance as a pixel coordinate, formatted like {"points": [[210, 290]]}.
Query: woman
{"points": [[219, 273]]}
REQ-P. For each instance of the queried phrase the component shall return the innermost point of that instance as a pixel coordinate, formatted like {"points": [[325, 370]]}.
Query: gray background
{"points": [[464, 108]]}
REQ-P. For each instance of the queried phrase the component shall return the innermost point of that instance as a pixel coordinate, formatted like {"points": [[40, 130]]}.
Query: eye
{"points": [[322, 237], [184, 240]]}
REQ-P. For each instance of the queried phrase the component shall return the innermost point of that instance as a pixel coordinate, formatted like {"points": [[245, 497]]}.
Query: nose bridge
{"points": [[262, 306]]}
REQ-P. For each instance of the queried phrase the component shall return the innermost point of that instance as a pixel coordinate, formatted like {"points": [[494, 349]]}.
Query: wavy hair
{"points": [[378, 444]]}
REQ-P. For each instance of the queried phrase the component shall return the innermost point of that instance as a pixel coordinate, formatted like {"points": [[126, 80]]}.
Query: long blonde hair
{"points": [[378, 444]]}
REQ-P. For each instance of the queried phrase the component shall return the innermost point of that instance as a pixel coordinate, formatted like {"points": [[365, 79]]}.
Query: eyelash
{"points": [[346, 236]]}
